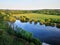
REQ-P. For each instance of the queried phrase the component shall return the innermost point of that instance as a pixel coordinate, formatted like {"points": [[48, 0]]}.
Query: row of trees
{"points": [[49, 11], [42, 11]]}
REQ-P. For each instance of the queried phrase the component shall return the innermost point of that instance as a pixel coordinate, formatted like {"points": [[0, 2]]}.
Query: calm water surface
{"points": [[47, 34]]}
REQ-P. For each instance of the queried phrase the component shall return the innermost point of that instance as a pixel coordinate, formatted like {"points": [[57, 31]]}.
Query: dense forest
{"points": [[42, 11]]}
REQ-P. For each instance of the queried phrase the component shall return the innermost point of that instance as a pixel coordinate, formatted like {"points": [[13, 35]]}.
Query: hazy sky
{"points": [[29, 4]]}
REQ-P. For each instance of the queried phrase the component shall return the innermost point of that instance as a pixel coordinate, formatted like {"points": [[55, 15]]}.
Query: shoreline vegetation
{"points": [[38, 17], [48, 20]]}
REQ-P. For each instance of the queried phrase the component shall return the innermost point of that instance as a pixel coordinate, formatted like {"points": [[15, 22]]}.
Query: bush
{"points": [[58, 25], [25, 35], [48, 20], [36, 41], [1, 31], [55, 20], [31, 43], [23, 19], [11, 31], [12, 19], [35, 21], [5, 39], [42, 21]]}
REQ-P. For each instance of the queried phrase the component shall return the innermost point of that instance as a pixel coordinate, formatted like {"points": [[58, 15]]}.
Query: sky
{"points": [[29, 4]]}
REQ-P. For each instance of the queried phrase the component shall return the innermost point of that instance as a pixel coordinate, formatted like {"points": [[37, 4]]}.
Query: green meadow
{"points": [[35, 16]]}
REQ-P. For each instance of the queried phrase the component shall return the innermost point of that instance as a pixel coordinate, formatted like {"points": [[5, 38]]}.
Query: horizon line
{"points": [[26, 9]]}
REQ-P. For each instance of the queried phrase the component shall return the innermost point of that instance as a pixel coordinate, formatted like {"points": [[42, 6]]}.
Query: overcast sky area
{"points": [[29, 4]]}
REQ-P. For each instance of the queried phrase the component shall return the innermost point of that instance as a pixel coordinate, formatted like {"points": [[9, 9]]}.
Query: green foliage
{"points": [[44, 14], [48, 20], [31, 43], [11, 31], [49, 11], [1, 31], [55, 20], [42, 21], [1, 17], [43, 11], [36, 41], [35, 21], [38, 17], [20, 33], [58, 25], [30, 20], [46, 17], [5, 39], [17, 41], [10, 37], [23, 19], [25, 35]]}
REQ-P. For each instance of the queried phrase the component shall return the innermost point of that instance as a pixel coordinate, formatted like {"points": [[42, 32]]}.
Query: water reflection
{"points": [[44, 33], [58, 25], [46, 24], [50, 24]]}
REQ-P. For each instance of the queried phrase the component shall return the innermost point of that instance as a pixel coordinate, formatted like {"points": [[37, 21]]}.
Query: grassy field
{"points": [[38, 16]]}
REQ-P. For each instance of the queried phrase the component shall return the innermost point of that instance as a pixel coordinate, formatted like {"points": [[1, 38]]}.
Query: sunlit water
{"points": [[47, 34]]}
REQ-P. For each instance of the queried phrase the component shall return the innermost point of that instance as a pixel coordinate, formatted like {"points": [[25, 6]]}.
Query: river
{"points": [[46, 34]]}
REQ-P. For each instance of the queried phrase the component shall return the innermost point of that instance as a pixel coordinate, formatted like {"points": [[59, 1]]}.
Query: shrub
{"points": [[30, 20], [36, 41], [35, 21], [5, 39], [42, 21], [22, 19], [58, 25], [47, 20], [55, 20], [1, 31], [27, 36], [12, 19], [31, 43]]}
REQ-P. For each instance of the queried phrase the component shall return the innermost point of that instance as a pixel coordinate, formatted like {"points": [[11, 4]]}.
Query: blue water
{"points": [[47, 34]]}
